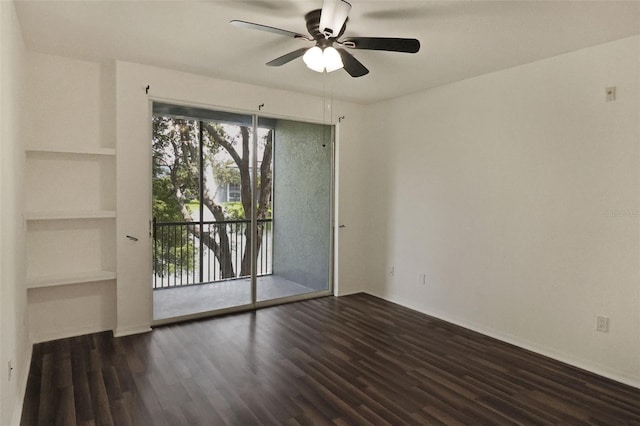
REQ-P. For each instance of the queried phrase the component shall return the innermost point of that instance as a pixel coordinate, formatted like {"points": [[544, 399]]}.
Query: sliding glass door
{"points": [[242, 211]]}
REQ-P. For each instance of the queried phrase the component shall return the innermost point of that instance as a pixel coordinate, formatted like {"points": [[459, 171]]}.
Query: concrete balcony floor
{"points": [[180, 301]]}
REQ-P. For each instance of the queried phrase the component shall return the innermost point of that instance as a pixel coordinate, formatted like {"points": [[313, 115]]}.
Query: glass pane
{"points": [[227, 199], [201, 191], [175, 185], [298, 234]]}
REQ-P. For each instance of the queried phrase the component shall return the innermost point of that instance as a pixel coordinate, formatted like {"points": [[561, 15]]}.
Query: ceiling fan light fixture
{"points": [[334, 15], [314, 59], [332, 59], [320, 59]]}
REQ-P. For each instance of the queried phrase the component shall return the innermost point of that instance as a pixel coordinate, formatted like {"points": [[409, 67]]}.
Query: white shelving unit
{"points": [[73, 151], [77, 278], [70, 215], [69, 207]]}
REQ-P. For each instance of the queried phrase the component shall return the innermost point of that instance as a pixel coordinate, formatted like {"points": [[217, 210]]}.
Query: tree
{"points": [[175, 250], [176, 167]]}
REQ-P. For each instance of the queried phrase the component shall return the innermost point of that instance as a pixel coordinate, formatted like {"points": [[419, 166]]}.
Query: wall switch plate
{"points": [[392, 270], [423, 279], [611, 93], [602, 324], [10, 370]]}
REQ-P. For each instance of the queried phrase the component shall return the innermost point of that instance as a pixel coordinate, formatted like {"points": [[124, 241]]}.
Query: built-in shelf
{"points": [[79, 278], [72, 214], [76, 151], [63, 177]]}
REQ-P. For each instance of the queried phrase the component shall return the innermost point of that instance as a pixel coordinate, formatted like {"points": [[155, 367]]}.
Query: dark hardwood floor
{"points": [[350, 360]]}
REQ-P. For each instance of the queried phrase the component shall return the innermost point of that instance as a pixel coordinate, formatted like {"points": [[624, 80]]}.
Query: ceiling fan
{"points": [[325, 27]]}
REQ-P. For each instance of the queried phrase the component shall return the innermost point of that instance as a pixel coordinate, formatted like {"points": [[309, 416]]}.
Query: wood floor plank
{"points": [[330, 361]]}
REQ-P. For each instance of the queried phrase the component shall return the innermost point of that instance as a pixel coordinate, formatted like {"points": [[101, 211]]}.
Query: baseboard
{"points": [[134, 329], [348, 293], [22, 387], [582, 364]]}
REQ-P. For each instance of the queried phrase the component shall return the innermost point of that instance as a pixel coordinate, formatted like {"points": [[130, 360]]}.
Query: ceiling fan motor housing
{"points": [[333, 17], [313, 26]]}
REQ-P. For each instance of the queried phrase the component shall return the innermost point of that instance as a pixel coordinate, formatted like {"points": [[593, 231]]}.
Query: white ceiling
{"points": [[460, 39]]}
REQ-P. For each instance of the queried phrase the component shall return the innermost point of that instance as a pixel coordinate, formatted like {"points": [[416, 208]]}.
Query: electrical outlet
{"points": [[602, 324], [610, 94], [392, 271], [10, 370]]}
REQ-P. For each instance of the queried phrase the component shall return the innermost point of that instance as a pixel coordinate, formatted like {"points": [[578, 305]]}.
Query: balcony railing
{"points": [[184, 253]]}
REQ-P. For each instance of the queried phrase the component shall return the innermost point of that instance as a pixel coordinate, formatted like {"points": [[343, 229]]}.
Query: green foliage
{"points": [[234, 210], [166, 207], [226, 172], [173, 248], [193, 207]]}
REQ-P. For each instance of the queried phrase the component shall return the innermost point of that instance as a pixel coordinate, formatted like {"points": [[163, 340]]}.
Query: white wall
{"points": [[71, 102], [13, 333], [517, 194], [134, 166]]}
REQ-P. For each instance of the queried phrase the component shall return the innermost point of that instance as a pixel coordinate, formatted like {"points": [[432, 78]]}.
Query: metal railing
{"points": [[184, 253]]}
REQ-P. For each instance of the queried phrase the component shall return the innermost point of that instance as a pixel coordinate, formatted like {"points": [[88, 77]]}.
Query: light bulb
{"points": [[332, 59], [314, 59]]}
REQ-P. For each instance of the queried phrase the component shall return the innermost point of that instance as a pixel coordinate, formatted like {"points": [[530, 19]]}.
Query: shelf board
{"points": [[70, 214], [75, 151], [79, 278]]}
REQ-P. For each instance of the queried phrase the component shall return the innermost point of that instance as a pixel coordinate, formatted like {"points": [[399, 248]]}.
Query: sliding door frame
{"points": [[255, 304]]}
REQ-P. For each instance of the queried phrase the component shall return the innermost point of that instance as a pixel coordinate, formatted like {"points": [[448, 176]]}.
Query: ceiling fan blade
{"points": [[351, 64], [407, 45], [288, 57], [266, 28]]}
